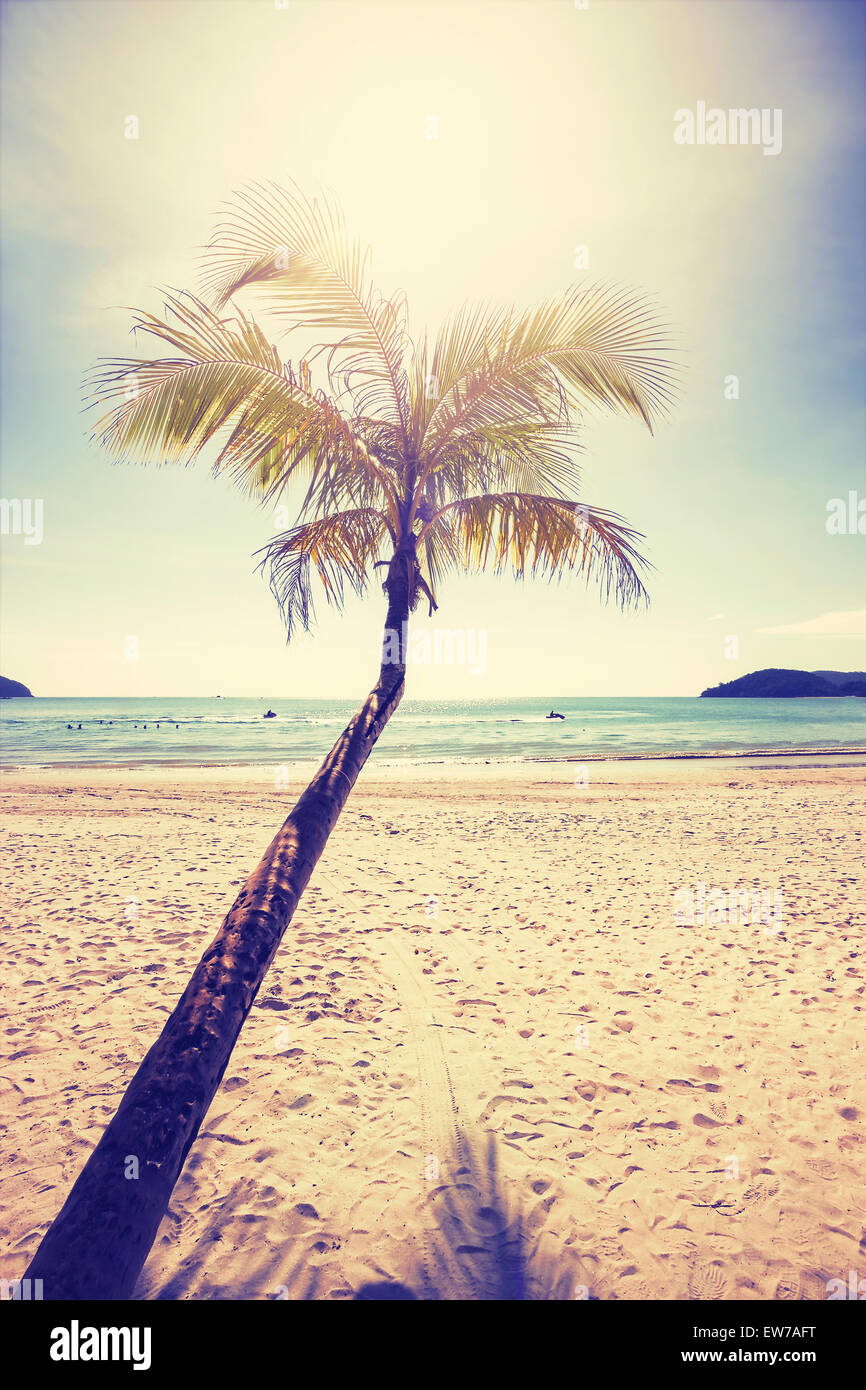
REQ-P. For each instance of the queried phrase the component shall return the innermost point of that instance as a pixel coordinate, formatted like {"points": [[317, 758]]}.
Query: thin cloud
{"points": [[839, 624]]}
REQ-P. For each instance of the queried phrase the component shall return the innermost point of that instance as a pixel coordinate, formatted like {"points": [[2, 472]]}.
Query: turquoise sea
{"points": [[192, 731]]}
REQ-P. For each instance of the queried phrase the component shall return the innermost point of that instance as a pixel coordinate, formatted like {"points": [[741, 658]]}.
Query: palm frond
{"points": [[297, 252], [537, 536], [229, 386], [462, 348], [515, 455], [598, 346], [338, 550]]}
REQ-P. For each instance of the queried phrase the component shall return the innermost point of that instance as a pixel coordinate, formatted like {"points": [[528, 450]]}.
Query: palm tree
{"points": [[455, 453]]}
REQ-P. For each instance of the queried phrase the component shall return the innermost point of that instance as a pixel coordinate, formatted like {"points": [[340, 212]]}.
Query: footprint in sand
{"points": [[820, 1255], [801, 1231], [603, 1288], [634, 1289], [823, 1168], [611, 1249], [678, 1086], [815, 1286], [788, 1286], [759, 1192], [707, 1282], [709, 1073]]}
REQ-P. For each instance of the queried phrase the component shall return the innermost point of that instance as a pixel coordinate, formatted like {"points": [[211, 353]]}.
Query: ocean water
{"points": [[34, 732]]}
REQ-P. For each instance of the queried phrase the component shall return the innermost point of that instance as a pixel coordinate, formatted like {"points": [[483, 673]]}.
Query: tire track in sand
{"points": [[459, 1224], [446, 1166]]}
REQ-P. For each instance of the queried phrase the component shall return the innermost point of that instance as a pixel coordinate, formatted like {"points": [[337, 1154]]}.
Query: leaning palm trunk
{"points": [[98, 1243]]}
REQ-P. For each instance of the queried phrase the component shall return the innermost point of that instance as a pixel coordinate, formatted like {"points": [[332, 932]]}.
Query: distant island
{"points": [[9, 690], [776, 684]]}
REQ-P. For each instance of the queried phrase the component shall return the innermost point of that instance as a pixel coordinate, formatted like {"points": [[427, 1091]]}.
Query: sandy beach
{"points": [[491, 1058]]}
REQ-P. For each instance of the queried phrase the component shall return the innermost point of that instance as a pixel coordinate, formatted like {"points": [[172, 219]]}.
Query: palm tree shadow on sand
{"points": [[481, 1242], [477, 1240]]}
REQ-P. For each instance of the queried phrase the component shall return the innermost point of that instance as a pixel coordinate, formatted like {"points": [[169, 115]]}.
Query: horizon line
{"points": [[605, 695]]}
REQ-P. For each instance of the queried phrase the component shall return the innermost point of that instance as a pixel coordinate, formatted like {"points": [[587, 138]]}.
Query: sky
{"points": [[556, 130]]}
